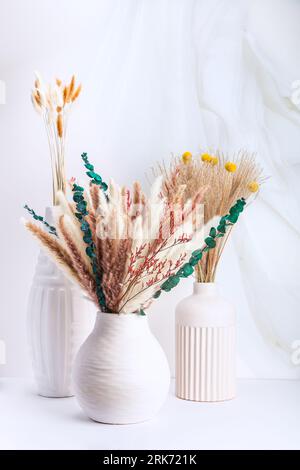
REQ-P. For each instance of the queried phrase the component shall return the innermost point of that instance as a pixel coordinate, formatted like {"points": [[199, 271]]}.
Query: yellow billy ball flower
{"points": [[230, 166], [253, 186], [214, 160], [205, 157], [186, 157]]}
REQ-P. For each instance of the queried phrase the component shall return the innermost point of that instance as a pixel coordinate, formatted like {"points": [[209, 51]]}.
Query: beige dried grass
{"points": [[138, 243], [224, 188], [54, 248], [54, 102]]}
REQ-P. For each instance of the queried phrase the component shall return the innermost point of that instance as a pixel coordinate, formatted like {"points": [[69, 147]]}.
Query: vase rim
{"points": [[120, 315], [205, 283], [205, 287]]}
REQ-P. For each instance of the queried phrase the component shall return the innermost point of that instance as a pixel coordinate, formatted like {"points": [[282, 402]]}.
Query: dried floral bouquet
{"points": [[122, 247], [228, 179], [54, 102]]}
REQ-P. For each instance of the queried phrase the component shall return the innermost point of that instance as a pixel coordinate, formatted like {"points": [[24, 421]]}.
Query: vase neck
{"points": [[123, 324], [205, 288]]}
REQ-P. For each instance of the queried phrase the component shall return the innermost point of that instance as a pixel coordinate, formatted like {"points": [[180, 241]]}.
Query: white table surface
{"points": [[265, 415]]}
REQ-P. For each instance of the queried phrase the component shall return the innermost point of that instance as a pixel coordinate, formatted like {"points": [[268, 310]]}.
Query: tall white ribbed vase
{"points": [[205, 346], [121, 374], [58, 321]]}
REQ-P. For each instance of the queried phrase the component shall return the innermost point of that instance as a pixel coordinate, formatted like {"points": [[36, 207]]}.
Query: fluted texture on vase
{"points": [[59, 320], [205, 363], [205, 345]]}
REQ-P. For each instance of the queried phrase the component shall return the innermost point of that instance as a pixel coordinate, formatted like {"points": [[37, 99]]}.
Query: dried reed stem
{"points": [[86, 278], [53, 103], [223, 189]]}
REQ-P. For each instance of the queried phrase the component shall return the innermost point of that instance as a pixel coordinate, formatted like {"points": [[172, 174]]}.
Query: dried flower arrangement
{"points": [[54, 102], [122, 247], [227, 180]]}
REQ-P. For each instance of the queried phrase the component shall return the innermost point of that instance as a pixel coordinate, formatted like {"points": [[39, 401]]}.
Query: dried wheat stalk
{"points": [[54, 248], [139, 242], [53, 102], [227, 178]]}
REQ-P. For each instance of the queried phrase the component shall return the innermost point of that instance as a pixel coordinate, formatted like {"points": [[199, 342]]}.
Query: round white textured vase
{"points": [[121, 374], [205, 346], [58, 321]]}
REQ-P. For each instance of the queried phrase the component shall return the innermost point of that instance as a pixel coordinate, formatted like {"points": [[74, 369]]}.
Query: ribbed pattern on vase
{"points": [[205, 363], [58, 323], [121, 374]]}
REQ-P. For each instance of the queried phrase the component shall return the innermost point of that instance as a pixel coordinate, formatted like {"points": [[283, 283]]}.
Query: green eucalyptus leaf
{"points": [[210, 242], [221, 228], [77, 188], [233, 218], [186, 270], [174, 280], [157, 294], [212, 232]]}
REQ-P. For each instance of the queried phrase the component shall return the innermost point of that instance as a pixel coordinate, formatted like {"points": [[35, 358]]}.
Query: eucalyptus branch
{"points": [[95, 177], [39, 218], [82, 212], [187, 269]]}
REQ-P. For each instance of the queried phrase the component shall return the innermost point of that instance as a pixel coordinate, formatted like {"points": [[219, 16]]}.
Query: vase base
{"points": [[54, 395], [119, 422], [207, 400], [48, 395]]}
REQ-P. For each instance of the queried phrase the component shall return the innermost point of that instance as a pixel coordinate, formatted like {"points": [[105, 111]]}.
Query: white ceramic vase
{"points": [[58, 321], [205, 346], [121, 374]]}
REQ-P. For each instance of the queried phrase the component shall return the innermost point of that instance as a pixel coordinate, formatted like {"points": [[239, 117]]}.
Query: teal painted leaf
{"points": [[89, 166], [212, 232], [186, 270], [77, 188], [233, 210], [77, 196], [87, 239], [166, 286], [233, 218], [173, 281], [90, 252], [85, 226], [197, 253], [221, 228], [210, 242], [193, 261], [81, 206], [91, 174]]}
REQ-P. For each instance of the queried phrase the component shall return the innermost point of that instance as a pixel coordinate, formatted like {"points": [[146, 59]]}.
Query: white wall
{"points": [[161, 76]]}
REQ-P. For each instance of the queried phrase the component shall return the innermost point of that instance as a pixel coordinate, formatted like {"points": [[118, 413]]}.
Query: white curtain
{"points": [[164, 76], [185, 75]]}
